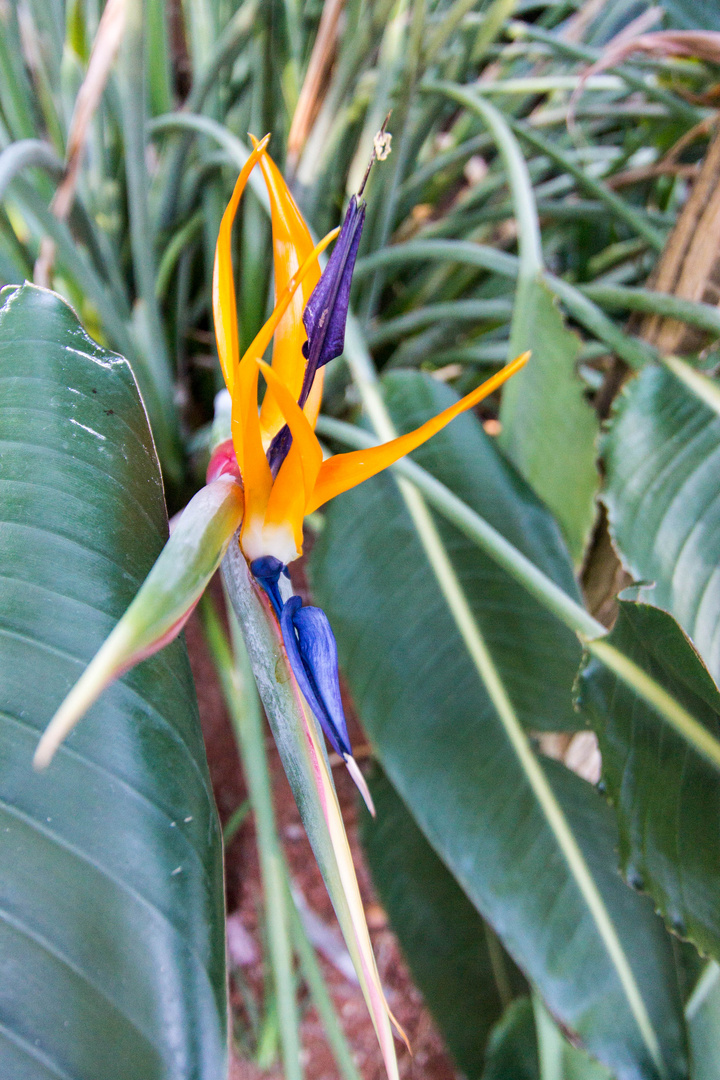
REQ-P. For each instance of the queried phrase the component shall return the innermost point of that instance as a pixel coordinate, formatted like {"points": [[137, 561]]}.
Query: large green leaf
{"points": [[548, 428], [662, 458], [527, 1045], [538, 657], [512, 1051], [455, 960], [666, 797], [443, 748], [111, 895], [703, 1014]]}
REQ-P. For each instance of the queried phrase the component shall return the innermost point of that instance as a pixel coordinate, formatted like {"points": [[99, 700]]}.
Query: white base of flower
{"points": [[259, 540]]}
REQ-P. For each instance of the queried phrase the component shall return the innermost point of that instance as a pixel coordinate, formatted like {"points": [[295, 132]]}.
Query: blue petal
{"points": [[312, 652], [267, 571]]}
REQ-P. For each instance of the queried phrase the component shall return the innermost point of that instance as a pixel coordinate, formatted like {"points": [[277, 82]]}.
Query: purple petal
{"points": [[325, 316], [326, 311]]}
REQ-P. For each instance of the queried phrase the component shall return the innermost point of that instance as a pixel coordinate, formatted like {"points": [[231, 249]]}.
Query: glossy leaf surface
{"points": [[459, 968], [512, 1052], [548, 428], [111, 895], [666, 797], [538, 656], [662, 456], [444, 750], [704, 1029]]}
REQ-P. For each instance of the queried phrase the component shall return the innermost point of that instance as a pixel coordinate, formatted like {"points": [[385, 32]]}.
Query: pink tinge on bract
{"points": [[223, 462]]}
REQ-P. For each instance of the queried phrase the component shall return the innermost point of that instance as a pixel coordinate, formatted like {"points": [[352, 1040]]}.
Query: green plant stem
{"points": [[708, 980], [623, 298], [688, 114], [173, 251], [25, 154], [157, 358], [236, 821], [549, 1040], [471, 634], [312, 973], [496, 310], [236, 150], [224, 52], [529, 240], [244, 707], [697, 382], [634, 352], [689, 729], [635, 219]]}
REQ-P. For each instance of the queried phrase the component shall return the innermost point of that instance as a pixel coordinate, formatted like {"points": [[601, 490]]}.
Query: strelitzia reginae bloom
{"points": [[262, 481], [271, 472]]}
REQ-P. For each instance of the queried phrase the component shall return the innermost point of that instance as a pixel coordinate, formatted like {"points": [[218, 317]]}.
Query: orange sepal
{"points": [[298, 473], [223, 290], [292, 244], [345, 471]]}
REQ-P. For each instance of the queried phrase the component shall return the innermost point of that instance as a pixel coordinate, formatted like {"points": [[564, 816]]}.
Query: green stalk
{"points": [[549, 1040], [244, 707], [159, 56], [498, 309], [477, 530], [531, 261], [236, 150], [224, 52], [634, 352], [689, 729], [173, 251], [633, 218], [25, 154], [236, 821], [688, 114], [157, 359], [312, 973], [623, 298]]}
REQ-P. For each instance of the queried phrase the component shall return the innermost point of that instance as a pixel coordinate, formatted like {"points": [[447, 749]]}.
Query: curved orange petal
{"points": [[299, 471], [223, 290], [256, 475], [292, 244], [345, 471]]}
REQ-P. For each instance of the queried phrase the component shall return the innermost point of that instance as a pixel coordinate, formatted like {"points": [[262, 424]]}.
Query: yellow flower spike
{"points": [[292, 244], [223, 288], [345, 471]]}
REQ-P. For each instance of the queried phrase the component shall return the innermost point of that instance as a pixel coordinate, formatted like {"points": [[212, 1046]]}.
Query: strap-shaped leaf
{"points": [[111, 898], [442, 745], [455, 959], [662, 460], [666, 796]]}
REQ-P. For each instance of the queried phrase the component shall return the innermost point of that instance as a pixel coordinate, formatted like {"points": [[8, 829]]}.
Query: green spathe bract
{"points": [[112, 933]]}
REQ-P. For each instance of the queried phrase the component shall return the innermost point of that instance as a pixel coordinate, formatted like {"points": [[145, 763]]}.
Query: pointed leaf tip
{"points": [[162, 606]]}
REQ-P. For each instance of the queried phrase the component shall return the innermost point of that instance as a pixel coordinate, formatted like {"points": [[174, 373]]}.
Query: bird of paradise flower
{"points": [[262, 481]]}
